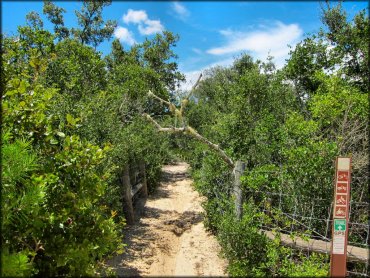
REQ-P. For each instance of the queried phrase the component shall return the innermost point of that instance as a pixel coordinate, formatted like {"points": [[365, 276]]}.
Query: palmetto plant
{"points": [[23, 195]]}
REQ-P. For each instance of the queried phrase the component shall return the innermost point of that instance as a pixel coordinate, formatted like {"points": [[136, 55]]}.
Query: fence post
{"points": [[128, 209], [238, 194], [144, 181]]}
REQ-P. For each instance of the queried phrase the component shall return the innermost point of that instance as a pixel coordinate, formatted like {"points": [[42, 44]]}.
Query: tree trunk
{"points": [[144, 181], [128, 208]]}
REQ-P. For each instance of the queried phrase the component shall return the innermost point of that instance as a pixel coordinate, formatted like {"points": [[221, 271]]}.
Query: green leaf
{"points": [[34, 62], [11, 92], [53, 141], [70, 119], [22, 87], [61, 134]]}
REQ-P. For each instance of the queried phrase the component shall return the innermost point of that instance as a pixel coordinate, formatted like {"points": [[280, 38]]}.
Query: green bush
{"points": [[57, 222]]}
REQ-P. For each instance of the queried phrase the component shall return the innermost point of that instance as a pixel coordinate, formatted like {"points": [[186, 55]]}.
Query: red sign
{"points": [[342, 187], [341, 200], [343, 175], [340, 212]]}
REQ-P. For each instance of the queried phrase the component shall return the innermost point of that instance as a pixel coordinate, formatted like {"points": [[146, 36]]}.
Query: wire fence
{"points": [[308, 216], [312, 217]]}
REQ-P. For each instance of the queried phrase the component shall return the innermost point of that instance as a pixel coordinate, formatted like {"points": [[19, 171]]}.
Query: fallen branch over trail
{"points": [[191, 131], [186, 129]]}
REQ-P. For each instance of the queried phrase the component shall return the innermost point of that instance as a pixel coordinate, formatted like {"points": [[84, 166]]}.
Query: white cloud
{"points": [[273, 40], [151, 27], [265, 40], [146, 26], [180, 10], [124, 35], [133, 16]]}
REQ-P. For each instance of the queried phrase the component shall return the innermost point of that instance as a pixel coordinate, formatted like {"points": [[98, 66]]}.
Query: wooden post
{"points": [[144, 181], [128, 209], [342, 189], [238, 194]]}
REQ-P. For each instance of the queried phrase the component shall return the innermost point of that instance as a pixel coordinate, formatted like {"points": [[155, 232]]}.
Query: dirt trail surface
{"points": [[169, 238]]}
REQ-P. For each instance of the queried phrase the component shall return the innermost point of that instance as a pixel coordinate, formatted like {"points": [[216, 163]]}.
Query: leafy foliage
{"points": [[72, 120], [288, 126], [93, 29], [67, 138], [55, 15]]}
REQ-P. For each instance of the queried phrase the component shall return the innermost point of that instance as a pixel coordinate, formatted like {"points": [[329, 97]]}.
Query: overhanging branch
{"points": [[164, 129], [186, 129], [192, 132]]}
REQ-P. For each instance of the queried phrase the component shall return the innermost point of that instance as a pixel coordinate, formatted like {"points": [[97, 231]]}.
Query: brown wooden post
{"points": [[128, 209], [238, 194], [338, 258], [144, 181]]}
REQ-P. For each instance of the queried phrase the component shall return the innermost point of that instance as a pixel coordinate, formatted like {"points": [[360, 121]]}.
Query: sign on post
{"points": [[338, 258]]}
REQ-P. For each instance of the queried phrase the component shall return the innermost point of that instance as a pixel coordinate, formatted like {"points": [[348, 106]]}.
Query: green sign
{"points": [[339, 225]]}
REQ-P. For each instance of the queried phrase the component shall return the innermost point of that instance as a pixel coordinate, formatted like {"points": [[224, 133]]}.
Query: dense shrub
{"points": [[288, 126], [71, 124]]}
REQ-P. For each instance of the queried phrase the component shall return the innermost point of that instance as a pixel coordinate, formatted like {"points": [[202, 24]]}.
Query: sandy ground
{"points": [[169, 238]]}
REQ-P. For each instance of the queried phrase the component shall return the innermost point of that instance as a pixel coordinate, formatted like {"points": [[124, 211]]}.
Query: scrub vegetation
{"points": [[72, 119]]}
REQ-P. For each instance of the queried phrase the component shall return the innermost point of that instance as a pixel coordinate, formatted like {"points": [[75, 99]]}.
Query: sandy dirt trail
{"points": [[169, 238]]}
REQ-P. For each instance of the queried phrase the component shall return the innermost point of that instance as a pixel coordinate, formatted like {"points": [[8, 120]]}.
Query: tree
{"points": [[147, 66], [342, 46], [93, 28], [42, 231], [157, 55], [77, 69], [351, 43], [23, 195], [55, 15]]}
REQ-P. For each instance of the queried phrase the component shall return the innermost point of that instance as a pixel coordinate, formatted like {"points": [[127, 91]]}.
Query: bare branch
{"points": [[148, 117], [215, 147], [164, 129], [185, 101], [186, 129], [151, 94], [191, 131], [194, 86], [170, 105]]}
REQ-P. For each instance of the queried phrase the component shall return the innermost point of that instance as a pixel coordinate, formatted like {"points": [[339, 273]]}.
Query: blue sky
{"points": [[211, 33]]}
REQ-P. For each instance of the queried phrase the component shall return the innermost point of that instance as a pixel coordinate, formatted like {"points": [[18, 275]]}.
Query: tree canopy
{"points": [[72, 119]]}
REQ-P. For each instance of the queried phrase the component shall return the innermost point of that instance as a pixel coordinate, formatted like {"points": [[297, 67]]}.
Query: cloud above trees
{"points": [[145, 26], [124, 35], [273, 40]]}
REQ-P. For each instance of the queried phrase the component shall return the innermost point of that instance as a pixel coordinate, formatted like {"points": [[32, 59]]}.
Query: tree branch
{"points": [[185, 101], [191, 131], [194, 86], [186, 129], [150, 93], [213, 146], [164, 129]]}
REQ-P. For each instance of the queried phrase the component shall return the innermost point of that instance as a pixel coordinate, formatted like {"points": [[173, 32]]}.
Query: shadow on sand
{"points": [[138, 237]]}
